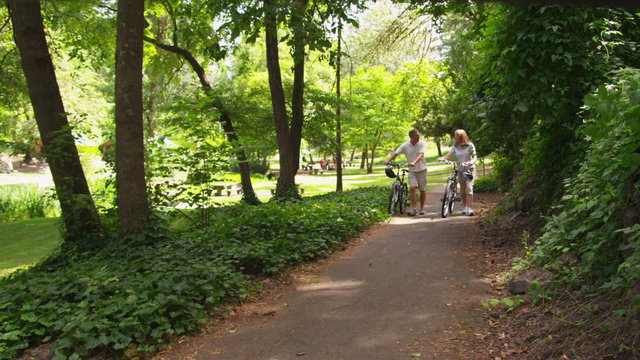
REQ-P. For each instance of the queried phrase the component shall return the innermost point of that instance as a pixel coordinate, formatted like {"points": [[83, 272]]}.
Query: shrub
{"points": [[589, 221], [138, 290], [19, 202]]}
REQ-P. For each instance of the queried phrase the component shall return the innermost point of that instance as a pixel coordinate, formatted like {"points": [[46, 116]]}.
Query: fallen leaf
{"points": [[300, 354], [232, 331], [416, 355]]}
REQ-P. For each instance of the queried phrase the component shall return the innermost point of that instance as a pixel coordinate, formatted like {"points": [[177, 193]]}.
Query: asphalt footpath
{"points": [[403, 294]]}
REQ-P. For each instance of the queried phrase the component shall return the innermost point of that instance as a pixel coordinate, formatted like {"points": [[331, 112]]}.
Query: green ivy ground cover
{"points": [[136, 292]]}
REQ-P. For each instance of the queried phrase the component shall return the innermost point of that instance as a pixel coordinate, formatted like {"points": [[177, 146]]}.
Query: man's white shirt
{"points": [[411, 152]]}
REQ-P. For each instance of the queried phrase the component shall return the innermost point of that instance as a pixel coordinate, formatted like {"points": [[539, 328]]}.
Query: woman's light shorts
{"points": [[418, 179], [466, 186]]}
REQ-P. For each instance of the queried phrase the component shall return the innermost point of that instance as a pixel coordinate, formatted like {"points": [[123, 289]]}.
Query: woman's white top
{"points": [[464, 153]]}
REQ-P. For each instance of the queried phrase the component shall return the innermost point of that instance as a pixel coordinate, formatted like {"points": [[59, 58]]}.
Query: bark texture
{"points": [[78, 210], [130, 173]]}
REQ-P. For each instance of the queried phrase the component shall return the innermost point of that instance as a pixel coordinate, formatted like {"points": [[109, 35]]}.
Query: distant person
{"points": [[414, 151], [323, 164], [465, 153]]}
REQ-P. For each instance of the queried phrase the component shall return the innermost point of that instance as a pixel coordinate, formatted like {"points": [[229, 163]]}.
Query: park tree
{"points": [[191, 30], [130, 171], [305, 25], [374, 112], [79, 214]]}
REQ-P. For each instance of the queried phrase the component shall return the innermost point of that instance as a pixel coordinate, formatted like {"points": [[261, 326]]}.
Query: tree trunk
{"points": [[365, 157], [79, 214], [439, 148], [373, 152], [286, 187], [338, 120], [130, 174], [248, 194]]}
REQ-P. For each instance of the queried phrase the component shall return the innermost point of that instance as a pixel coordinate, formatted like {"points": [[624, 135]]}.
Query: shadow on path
{"points": [[398, 294]]}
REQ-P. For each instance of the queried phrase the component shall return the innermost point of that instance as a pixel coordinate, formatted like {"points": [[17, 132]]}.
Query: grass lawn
{"points": [[25, 242]]}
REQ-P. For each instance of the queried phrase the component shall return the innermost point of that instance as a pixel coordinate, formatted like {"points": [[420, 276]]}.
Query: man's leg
{"points": [[422, 185], [412, 192]]}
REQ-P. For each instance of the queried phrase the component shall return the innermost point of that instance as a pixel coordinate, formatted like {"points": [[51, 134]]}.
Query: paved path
{"points": [[396, 295]]}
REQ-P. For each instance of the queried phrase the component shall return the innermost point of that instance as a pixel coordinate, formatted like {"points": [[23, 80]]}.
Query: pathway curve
{"points": [[393, 297]]}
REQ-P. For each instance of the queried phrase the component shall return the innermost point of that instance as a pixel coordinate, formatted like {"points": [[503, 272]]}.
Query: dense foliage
{"points": [[537, 64], [139, 290], [597, 219]]}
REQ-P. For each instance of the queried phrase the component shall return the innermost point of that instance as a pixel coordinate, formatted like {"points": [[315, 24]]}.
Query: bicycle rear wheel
{"points": [[403, 199], [448, 199]]}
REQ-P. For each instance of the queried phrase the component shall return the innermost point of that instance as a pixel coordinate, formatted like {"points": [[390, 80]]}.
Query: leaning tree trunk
{"points": [[132, 200], [248, 194], [79, 214], [286, 187]]}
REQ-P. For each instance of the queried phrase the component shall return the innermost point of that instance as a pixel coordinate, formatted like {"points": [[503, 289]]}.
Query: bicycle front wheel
{"points": [[447, 199], [393, 199], [454, 195]]}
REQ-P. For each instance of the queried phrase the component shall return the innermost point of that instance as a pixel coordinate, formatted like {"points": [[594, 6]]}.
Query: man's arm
{"points": [[391, 158], [417, 159]]}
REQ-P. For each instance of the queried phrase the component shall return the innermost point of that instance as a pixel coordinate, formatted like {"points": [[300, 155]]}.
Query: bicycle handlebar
{"points": [[397, 164]]}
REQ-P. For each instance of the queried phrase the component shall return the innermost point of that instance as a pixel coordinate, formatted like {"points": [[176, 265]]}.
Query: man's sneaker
{"points": [[470, 212], [465, 211], [412, 212], [422, 212]]}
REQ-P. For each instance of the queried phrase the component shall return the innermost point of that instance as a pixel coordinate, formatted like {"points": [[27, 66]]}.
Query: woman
{"points": [[465, 153]]}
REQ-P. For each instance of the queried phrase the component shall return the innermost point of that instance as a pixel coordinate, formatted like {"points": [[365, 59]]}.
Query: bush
{"points": [[138, 290], [487, 183], [19, 202], [589, 223]]}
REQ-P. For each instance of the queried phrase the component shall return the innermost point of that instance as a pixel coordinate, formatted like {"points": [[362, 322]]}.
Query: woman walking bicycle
{"points": [[466, 156]]}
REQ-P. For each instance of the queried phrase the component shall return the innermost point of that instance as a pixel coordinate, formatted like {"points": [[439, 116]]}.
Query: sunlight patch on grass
{"points": [[26, 242]]}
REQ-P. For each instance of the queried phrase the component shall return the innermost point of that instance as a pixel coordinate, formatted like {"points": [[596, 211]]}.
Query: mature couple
{"points": [[414, 149]]}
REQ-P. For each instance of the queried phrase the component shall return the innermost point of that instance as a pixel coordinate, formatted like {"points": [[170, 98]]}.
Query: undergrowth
{"points": [[137, 292]]}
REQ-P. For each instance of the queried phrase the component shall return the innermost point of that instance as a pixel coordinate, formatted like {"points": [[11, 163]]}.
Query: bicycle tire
{"points": [[447, 198], [393, 199], [403, 202], [454, 195]]}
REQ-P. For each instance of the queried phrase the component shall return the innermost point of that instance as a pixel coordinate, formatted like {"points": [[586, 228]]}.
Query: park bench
{"points": [[301, 189], [229, 188], [317, 171]]}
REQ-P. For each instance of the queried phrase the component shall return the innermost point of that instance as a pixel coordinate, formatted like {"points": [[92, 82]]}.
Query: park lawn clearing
{"points": [[26, 242]]}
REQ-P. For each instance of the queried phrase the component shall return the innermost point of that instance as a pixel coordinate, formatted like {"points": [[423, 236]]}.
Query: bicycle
{"points": [[451, 191], [399, 195]]}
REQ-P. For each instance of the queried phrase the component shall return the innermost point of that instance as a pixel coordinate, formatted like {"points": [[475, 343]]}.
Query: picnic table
{"points": [[229, 188], [301, 189]]}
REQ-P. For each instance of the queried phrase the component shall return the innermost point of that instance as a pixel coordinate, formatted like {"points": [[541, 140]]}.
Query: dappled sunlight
{"points": [[332, 285]]}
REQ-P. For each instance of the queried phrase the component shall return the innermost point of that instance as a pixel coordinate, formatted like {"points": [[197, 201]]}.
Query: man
{"points": [[414, 151]]}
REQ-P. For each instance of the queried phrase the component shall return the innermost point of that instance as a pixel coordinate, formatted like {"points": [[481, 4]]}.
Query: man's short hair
{"points": [[414, 132]]}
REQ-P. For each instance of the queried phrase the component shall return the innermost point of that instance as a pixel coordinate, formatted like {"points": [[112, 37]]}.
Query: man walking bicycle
{"points": [[414, 151]]}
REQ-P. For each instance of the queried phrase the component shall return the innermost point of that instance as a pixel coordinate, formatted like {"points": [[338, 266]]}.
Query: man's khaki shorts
{"points": [[418, 179]]}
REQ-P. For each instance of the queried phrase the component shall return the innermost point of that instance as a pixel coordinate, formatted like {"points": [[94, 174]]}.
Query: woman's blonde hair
{"points": [[462, 135]]}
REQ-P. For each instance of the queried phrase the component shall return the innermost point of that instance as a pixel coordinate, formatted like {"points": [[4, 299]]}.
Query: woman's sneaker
{"points": [[465, 211], [470, 212], [412, 212]]}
